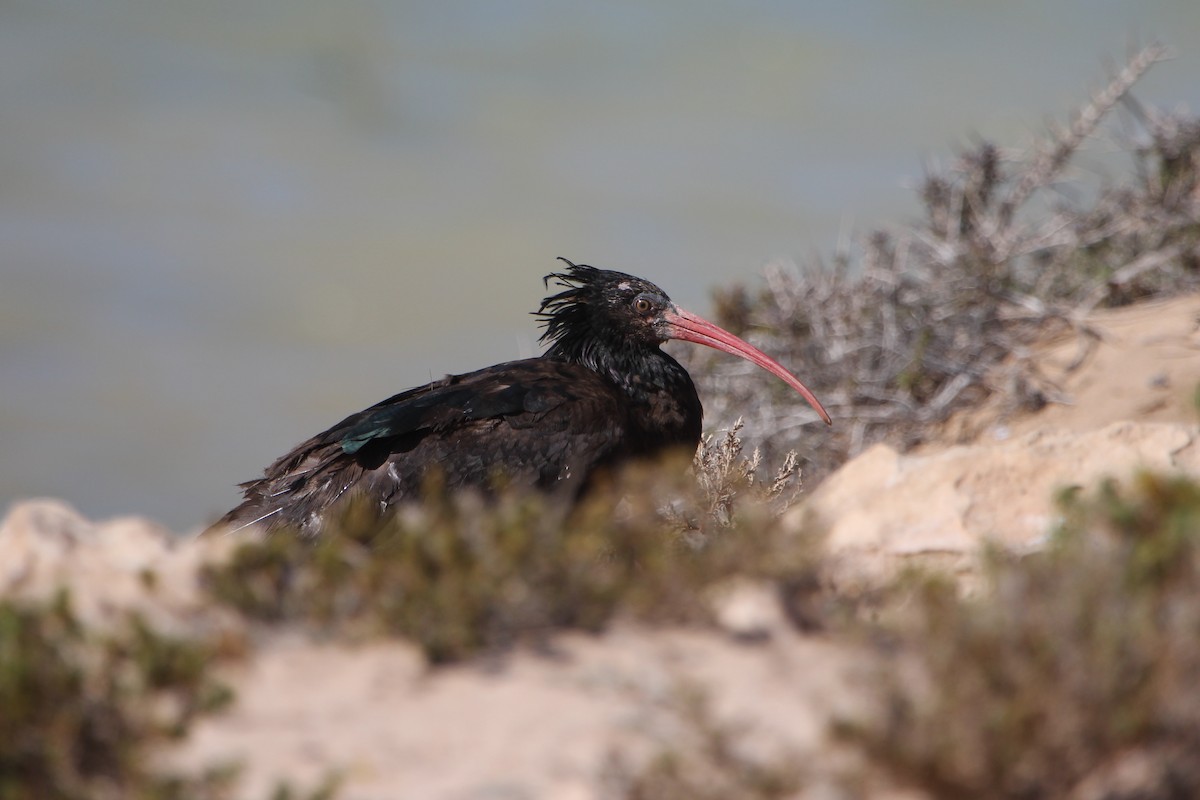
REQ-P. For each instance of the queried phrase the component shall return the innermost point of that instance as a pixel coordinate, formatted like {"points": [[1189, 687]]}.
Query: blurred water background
{"points": [[225, 225]]}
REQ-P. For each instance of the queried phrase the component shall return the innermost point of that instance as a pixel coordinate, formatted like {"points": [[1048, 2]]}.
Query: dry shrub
{"points": [[911, 325], [724, 473], [1073, 674]]}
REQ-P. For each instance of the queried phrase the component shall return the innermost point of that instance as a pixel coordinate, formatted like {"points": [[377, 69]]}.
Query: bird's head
{"points": [[604, 309], [603, 305]]}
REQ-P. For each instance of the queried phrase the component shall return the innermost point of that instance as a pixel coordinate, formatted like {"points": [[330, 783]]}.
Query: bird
{"points": [[602, 393]]}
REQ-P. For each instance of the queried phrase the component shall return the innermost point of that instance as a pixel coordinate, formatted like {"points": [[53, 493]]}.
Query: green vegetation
{"points": [[82, 711], [459, 575], [1074, 661], [703, 762], [327, 789]]}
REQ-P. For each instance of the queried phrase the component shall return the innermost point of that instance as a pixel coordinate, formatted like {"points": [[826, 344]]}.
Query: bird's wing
{"points": [[539, 421], [521, 391]]}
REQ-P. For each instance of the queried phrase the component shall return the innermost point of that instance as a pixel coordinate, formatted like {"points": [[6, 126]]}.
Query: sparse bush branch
{"points": [[1052, 159], [910, 325]]}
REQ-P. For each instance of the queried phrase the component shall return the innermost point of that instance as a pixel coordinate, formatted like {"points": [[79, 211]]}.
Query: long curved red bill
{"points": [[688, 327]]}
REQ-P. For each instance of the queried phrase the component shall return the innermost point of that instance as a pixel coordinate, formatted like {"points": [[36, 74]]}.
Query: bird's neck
{"points": [[661, 390], [639, 370]]}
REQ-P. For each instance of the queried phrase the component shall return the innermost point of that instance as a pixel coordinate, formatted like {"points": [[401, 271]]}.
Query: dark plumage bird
{"points": [[603, 392]]}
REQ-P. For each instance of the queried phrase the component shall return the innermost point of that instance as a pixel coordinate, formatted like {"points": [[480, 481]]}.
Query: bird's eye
{"points": [[642, 305]]}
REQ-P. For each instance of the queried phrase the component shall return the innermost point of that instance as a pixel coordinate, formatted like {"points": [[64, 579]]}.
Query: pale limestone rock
{"points": [[748, 610], [948, 502], [122, 564]]}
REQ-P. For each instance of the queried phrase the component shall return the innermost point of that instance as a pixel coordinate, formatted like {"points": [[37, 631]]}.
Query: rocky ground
{"points": [[571, 720]]}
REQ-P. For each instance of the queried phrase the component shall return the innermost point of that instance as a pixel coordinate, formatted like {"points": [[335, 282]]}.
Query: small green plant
{"points": [[327, 789], [1072, 662], [81, 711], [459, 575], [703, 761]]}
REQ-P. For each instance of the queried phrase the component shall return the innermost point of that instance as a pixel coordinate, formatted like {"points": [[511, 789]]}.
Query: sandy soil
{"points": [[1143, 366]]}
